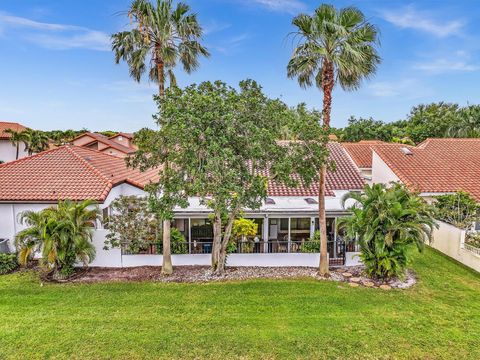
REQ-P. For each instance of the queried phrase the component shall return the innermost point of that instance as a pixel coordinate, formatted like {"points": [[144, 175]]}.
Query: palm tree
{"points": [[36, 141], [334, 47], [166, 35], [468, 125], [387, 222], [62, 234], [17, 137]]}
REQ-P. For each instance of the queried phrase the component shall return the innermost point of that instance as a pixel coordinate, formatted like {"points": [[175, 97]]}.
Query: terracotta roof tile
{"points": [[345, 177], [361, 152], [436, 165], [67, 172], [9, 125]]}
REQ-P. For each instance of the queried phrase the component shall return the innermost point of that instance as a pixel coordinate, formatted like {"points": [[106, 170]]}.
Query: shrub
{"points": [[62, 234], [8, 263], [387, 222], [459, 209], [473, 239], [313, 244], [177, 242]]}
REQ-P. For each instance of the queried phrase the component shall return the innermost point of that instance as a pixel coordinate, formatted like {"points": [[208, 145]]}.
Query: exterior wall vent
{"points": [[270, 201], [311, 201]]}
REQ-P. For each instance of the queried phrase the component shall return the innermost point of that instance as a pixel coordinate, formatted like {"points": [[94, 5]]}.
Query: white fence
{"points": [[450, 240], [114, 258]]}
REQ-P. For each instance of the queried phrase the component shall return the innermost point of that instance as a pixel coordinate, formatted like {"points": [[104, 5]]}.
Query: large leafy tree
{"points": [[334, 47], [387, 222], [62, 234], [222, 147], [163, 36]]}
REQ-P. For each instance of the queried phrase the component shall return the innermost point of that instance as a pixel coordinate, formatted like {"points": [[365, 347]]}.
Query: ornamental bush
{"points": [[387, 222], [8, 263]]}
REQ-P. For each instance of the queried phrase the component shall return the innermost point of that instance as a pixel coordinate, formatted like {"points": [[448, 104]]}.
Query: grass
{"points": [[261, 319]]}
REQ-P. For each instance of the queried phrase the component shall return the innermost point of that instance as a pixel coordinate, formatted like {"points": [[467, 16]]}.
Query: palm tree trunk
{"points": [[18, 148], [167, 267], [327, 86]]}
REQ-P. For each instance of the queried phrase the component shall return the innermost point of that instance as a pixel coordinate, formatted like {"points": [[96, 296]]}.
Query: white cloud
{"points": [[214, 26], [288, 6], [56, 36], [446, 65], [410, 18], [400, 89]]}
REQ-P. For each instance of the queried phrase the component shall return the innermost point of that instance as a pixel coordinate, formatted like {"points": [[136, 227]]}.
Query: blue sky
{"points": [[57, 70]]}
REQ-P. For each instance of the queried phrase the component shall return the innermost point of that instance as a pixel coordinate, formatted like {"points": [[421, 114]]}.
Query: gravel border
{"points": [[353, 275]]}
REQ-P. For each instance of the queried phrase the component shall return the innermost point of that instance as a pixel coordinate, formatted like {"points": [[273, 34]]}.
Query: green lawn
{"points": [[438, 318]]}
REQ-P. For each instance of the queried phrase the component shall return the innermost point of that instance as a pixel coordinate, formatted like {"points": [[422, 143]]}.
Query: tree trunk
{"points": [[167, 267], [18, 148], [161, 78], [327, 86], [217, 242]]}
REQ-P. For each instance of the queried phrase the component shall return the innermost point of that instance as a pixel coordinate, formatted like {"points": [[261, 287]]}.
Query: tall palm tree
{"points": [[334, 46], [165, 35], [17, 137]]}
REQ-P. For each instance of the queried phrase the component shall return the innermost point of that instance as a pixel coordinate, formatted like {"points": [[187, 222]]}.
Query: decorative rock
{"points": [[354, 279], [385, 287], [352, 284], [369, 284], [347, 274]]}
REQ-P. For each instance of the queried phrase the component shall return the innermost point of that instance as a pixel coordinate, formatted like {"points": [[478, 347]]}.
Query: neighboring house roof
{"points": [[344, 177], [127, 135], [105, 140], [9, 126], [361, 152], [436, 165], [67, 172]]}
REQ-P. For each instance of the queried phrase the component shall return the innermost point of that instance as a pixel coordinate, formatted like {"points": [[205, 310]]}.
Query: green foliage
{"points": [[62, 234], [312, 245], [459, 209], [162, 36], [387, 222], [342, 38], [177, 242], [242, 228], [8, 263], [365, 129], [131, 224], [220, 144], [473, 238]]}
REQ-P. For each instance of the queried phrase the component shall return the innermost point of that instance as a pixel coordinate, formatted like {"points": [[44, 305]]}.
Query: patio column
{"points": [[289, 234], [265, 233], [312, 227], [189, 235], [335, 237]]}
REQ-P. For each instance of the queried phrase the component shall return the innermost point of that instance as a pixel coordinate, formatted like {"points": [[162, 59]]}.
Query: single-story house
{"points": [[287, 219], [119, 145], [8, 151]]}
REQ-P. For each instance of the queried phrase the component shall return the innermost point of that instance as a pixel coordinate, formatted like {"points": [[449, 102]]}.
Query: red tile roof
{"points": [[9, 125], [361, 152], [78, 173], [127, 135], [436, 165], [106, 140], [67, 172], [345, 177]]}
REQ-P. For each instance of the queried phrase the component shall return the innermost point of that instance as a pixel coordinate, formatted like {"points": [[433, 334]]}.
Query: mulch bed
{"points": [[354, 275]]}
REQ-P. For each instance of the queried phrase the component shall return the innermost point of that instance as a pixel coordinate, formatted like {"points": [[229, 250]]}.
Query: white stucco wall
{"points": [[381, 172], [449, 240], [8, 152]]}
